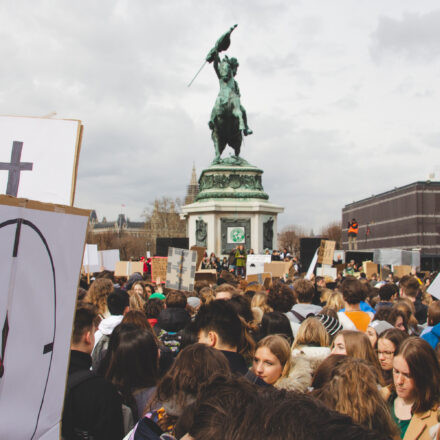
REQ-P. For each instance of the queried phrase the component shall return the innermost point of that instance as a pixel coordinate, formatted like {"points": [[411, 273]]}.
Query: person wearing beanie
{"points": [[332, 325], [375, 329]]}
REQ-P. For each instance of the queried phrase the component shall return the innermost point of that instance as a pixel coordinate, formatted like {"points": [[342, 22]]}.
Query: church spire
{"points": [[193, 187]]}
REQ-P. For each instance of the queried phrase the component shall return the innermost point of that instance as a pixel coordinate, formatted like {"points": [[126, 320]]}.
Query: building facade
{"points": [[406, 218]]}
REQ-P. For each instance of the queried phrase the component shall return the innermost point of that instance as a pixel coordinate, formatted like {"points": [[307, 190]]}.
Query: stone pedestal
{"points": [[231, 209]]}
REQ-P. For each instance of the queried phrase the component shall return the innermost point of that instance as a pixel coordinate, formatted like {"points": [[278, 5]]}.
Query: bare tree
{"points": [[289, 238], [333, 231]]}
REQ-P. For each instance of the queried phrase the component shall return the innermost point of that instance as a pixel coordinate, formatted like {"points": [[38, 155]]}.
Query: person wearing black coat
{"points": [[92, 405]]}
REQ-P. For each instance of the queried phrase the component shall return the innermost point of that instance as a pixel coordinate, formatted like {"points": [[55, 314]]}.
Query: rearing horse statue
{"points": [[228, 117]]}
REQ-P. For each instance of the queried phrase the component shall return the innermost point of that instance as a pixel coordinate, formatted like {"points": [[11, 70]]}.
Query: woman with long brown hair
{"points": [[415, 394], [353, 390], [97, 295], [357, 345]]}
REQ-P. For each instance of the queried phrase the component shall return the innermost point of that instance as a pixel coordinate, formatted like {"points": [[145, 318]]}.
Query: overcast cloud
{"points": [[343, 97]]}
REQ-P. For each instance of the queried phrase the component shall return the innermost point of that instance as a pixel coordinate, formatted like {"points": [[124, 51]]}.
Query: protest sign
{"points": [[127, 268], [159, 268], [39, 158], [434, 287], [108, 259], [181, 269], [327, 271], [312, 266], [369, 268], [255, 263], [400, 271], [209, 275], [91, 261], [277, 268], [41, 253], [326, 252], [258, 278]]}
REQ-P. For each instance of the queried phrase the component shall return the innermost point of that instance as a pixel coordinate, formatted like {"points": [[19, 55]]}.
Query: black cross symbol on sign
{"points": [[14, 168]]}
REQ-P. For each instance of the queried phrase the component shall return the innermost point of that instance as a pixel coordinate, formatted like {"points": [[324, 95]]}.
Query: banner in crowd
{"points": [[181, 269], [41, 251], [39, 158], [255, 263], [91, 259]]}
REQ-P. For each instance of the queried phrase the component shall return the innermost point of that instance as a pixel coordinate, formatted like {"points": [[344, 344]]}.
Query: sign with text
{"points": [[39, 158], [326, 252], [209, 275], [181, 269], [200, 254], [370, 268], [159, 268], [400, 271]]}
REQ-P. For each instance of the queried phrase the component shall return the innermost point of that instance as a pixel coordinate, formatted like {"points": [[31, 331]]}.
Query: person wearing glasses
{"points": [[415, 392]]}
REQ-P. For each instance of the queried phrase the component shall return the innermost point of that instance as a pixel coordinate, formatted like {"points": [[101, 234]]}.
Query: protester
{"points": [[353, 390], [388, 344], [353, 318], [153, 308], [193, 367], [276, 323], [92, 405], [410, 288], [131, 364], [375, 329], [415, 395], [357, 345], [117, 305], [97, 295]]}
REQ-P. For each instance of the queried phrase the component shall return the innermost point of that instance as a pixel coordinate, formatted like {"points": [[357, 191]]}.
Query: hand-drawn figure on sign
{"points": [[27, 323]]}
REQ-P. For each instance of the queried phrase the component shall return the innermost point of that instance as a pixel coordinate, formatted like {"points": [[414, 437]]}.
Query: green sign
{"points": [[236, 235]]}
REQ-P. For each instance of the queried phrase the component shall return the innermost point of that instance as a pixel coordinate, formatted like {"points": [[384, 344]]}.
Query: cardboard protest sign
{"points": [[326, 252], [370, 268], [434, 287], [159, 268], [39, 158], [181, 269], [127, 268], [384, 272], [108, 259], [209, 275], [39, 272], [400, 271], [255, 263], [258, 278], [277, 268], [200, 254], [91, 259]]}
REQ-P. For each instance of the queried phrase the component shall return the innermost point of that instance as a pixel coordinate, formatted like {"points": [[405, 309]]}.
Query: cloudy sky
{"points": [[343, 96]]}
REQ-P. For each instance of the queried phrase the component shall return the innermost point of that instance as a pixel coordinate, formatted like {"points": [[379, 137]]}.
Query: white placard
{"points": [[48, 155], [40, 254], [434, 287], [255, 263], [108, 259], [91, 262], [312, 266]]}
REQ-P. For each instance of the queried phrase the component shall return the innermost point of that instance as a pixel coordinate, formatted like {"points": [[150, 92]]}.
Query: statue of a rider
{"points": [[228, 117]]}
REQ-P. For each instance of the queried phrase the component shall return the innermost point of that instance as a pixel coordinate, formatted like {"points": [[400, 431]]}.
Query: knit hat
{"points": [[331, 324], [157, 295], [380, 326], [193, 301]]}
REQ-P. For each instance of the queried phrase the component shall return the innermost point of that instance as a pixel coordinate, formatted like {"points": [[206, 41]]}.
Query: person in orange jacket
{"points": [[353, 229]]}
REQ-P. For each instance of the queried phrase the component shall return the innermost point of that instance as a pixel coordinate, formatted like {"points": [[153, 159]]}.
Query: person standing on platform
{"points": [[353, 229], [240, 260]]}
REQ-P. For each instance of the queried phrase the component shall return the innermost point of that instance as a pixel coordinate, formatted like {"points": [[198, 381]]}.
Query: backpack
{"points": [[300, 317], [172, 340], [99, 351]]}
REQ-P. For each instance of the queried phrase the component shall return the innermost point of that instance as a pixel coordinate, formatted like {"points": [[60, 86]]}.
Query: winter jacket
{"points": [[433, 336], [305, 360]]}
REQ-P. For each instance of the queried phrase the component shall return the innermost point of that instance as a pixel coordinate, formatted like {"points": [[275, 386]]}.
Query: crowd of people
{"points": [[290, 359]]}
